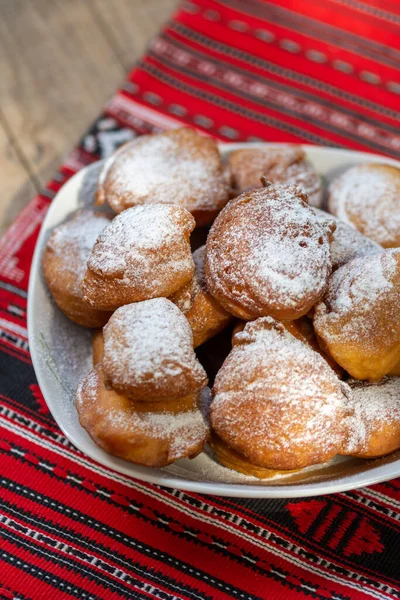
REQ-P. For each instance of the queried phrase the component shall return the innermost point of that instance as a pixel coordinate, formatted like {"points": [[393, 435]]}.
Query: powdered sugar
{"points": [[184, 431], [268, 249], [347, 243], [275, 394], [367, 197], [373, 404], [143, 253], [361, 283], [359, 314], [286, 164], [148, 350], [178, 167], [73, 242]]}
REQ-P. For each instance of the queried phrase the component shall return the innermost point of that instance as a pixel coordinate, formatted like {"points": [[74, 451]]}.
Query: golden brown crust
{"points": [[268, 254], [148, 352], [206, 317], [358, 320], [175, 167], [144, 253], [97, 346], [367, 196], [237, 462], [122, 428], [285, 164], [277, 402], [64, 263]]}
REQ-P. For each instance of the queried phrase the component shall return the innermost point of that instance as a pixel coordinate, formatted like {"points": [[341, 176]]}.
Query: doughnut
{"points": [[357, 321], [148, 352], [143, 253], [367, 197], [347, 243], [285, 164], [127, 429], [176, 167], [267, 254], [64, 263], [206, 317], [376, 422], [276, 403]]}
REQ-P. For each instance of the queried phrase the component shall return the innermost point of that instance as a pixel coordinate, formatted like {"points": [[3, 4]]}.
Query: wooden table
{"points": [[60, 60]]}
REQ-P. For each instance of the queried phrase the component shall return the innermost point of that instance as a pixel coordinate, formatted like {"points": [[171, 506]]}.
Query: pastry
{"points": [[176, 167], [282, 164], [131, 431], [368, 197], [97, 346], [347, 243], [276, 403], [376, 423], [268, 254], [143, 253], [64, 264], [148, 352], [303, 330], [206, 317], [357, 322]]}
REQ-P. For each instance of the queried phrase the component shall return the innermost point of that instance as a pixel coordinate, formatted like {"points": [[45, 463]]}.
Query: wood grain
{"points": [[60, 61], [132, 25]]}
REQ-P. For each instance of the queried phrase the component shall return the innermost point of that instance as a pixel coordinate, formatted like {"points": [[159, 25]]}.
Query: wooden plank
{"points": [[60, 61], [58, 69], [16, 183], [130, 24]]}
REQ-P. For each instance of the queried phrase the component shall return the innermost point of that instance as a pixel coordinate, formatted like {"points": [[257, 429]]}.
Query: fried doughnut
{"points": [[176, 167], [277, 403], [64, 264], [123, 428], [268, 254], [347, 243], [148, 352], [285, 164], [367, 197], [358, 319], [143, 253], [206, 317], [376, 422]]}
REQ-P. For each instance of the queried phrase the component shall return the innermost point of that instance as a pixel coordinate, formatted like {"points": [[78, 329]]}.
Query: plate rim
{"points": [[242, 490]]}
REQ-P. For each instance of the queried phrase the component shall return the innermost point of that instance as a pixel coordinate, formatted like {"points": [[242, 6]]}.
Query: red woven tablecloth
{"points": [[325, 72]]}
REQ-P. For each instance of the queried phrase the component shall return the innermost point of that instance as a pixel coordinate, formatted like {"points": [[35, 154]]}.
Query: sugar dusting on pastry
{"points": [[353, 291], [148, 349], [347, 243], [178, 167], [277, 400], [283, 164], [73, 241], [268, 253], [367, 197], [155, 438], [143, 253], [374, 404]]}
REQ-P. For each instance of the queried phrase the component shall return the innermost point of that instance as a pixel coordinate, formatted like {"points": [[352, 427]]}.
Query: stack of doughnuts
{"points": [[146, 398], [312, 298]]}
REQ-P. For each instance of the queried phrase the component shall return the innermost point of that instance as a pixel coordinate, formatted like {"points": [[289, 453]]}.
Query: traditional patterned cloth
{"points": [[319, 71]]}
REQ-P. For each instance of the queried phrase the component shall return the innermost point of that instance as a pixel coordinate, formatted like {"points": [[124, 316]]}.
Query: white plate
{"points": [[61, 355]]}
